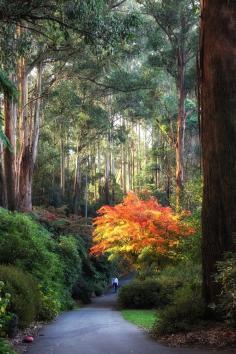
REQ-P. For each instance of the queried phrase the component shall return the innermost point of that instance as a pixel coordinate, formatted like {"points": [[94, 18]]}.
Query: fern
{"points": [[3, 136], [7, 86]]}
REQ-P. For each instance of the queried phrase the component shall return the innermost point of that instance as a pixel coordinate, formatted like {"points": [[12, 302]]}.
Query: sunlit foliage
{"points": [[129, 227]]}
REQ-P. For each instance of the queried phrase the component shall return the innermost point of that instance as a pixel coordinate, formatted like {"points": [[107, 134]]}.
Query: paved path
{"points": [[98, 329]]}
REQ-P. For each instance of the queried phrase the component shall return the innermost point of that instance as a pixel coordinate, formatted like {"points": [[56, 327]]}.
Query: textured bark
{"points": [[107, 180], [77, 185], [62, 179], [218, 126], [180, 131], [29, 148], [9, 163]]}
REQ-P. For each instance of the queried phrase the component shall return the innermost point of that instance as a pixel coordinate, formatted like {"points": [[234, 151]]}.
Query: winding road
{"points": [[99, 329]]}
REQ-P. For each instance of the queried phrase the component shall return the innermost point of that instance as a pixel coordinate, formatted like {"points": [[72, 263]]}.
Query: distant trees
{"points": [[175, 46], [218, 108], [37, 40]]}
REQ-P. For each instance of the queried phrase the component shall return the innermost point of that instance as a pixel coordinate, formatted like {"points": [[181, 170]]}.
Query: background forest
{"points": [[100, 98]]}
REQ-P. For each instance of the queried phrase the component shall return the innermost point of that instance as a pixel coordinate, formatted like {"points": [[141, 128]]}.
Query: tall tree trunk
{"points": [[99, 170], [62, 177], [218, 106], [9, 163], [124, 172], [180, 130], [30, 148], [107, 179], [77, 185]]}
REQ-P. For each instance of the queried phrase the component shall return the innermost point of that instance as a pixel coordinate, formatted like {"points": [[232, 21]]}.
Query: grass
{"points": [[141, 318]]}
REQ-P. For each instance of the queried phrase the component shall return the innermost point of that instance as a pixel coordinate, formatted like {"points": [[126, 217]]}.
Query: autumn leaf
{"points": [[134, 224]]}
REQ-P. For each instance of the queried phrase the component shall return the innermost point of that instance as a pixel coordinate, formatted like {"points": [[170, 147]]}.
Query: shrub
{"points": [[50, 306], [5, 348], [28, 246], [68, 250], [185, 311], [226, 278], [174, 277], [25, 299], [98, 289], [140, 294], [31, 248], [5, 316], [83, 291]]}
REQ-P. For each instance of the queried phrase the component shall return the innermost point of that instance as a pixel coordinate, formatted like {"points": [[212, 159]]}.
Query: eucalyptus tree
{"points": [[50, 34], [173, 38]]}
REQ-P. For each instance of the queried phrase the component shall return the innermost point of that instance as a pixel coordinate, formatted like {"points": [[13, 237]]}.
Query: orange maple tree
{"points": [[135, 224]]}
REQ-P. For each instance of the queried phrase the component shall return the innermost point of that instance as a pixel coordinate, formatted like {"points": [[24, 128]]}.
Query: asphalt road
{"points": [[99, 329]]}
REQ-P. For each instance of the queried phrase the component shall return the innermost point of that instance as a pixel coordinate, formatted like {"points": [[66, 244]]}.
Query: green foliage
{"points": [[174, 277], [184, 312], [226, 278], [27, 245], [70, 259], [83, 291], [190, 248], [98, 289], [7, 86], [50, 305], [25, 299], [5, 348], [3, 136], [94, 278], [140, 294], [5, 316], [54, 264], [192, 199]]}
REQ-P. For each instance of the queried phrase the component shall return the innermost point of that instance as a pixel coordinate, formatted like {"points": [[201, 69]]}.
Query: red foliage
{"points": [[135, 224]]}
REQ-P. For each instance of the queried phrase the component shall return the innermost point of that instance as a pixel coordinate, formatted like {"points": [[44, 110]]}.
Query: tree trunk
{"points": [[218, 106], [107, 179], [77, 185], [180, 131], [9, 157], [62, 181], [30, 149]]}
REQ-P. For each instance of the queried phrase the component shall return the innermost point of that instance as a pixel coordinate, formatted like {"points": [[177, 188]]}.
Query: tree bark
{"points": [[9, 158], [180, 130], [218, 128], [30, 148], [77, 185], [62, 180]]}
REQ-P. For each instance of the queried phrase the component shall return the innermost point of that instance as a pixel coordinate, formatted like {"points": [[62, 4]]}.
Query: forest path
{"points": [[99, 329]]}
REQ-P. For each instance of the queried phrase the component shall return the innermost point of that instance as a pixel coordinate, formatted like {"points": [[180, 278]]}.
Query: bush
{"points": [[98, 289], [5, 348], [31, 248], [28, 246], [25, 299], [83, 291], [140, 294], [175, 277], [50, 306], [185, 311], [5, 316], [68, 250], [226, 278], [52, 266]]}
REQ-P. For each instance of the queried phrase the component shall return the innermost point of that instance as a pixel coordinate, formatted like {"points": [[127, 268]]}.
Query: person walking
{"points": [[115, 283]]}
